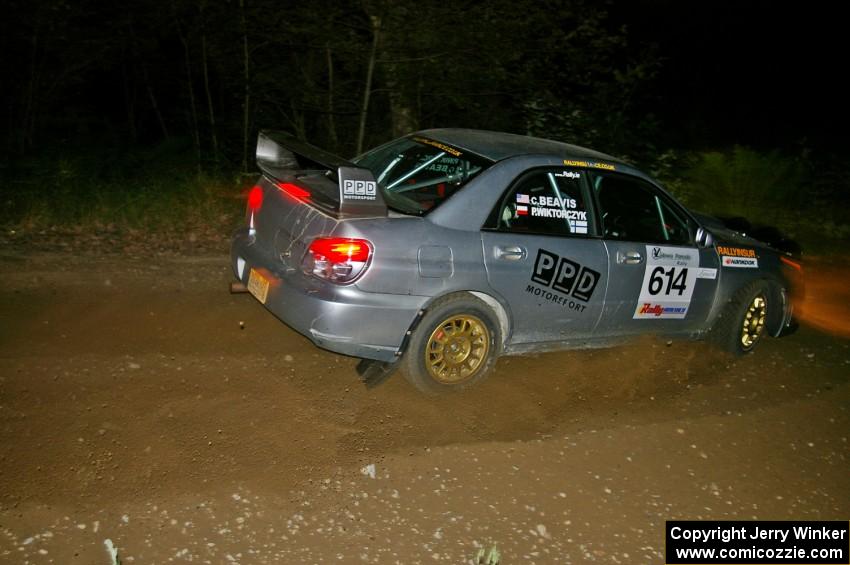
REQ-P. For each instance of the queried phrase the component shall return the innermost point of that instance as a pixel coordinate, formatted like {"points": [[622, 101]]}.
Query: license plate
{"points": [[258, 285]]}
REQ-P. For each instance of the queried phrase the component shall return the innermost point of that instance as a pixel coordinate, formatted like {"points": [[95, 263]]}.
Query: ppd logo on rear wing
{"points": [[564, 275], [359, 189], [359, 194]]}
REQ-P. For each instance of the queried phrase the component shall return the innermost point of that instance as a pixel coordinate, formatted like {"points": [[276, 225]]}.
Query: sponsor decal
{"points": [[672, 255], [657, 310], [447, 165], [739, 262], [438, 145], [590, 164], [707, 274], [577, 226], [572, 282], [359, 189], [568, 175], [737, 252], [668, 282]]}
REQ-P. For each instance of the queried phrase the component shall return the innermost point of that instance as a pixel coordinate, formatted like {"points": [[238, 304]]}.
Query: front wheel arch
{"points": [[731, 332], [778, 313]]}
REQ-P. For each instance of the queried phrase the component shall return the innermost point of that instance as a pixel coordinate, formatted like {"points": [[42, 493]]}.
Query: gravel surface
{"points": [[141, 405]]}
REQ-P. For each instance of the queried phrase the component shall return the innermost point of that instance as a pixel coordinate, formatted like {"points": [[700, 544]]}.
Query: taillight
{"points": [[255, 198], [337, 259], [294, 190]]}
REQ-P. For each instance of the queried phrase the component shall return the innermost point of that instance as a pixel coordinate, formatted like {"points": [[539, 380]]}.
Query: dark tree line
{"points": [[343, 74]]}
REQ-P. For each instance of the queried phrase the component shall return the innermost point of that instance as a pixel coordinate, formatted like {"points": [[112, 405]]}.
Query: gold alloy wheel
{"points": [[457, 349], [753, 325]]}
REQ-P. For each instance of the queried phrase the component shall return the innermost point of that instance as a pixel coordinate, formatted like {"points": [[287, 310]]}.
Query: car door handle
{"points": [[510, 252], [629, 257]]}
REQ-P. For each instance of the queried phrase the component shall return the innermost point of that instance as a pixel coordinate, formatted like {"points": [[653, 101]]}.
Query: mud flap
{"points": [[373, 372], [789, 328]]}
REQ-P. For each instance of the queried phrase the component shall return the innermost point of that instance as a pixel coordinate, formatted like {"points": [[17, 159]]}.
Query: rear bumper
{"points": [[339, 318]]}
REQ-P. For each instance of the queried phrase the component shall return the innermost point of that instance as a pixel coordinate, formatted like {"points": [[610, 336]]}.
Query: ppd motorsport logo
{"points": [[359, 189], [569, 279]]}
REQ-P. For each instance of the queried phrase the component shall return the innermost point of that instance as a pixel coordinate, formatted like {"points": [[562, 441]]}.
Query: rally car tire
{"points": [[454, 346], [741, 325]]}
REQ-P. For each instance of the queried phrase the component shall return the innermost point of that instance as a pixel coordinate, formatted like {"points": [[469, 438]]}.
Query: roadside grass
{"points": [[807, 199], [150, 203], [484, 557], [157, 192]]}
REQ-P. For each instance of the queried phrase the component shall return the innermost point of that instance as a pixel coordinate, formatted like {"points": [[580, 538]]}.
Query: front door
{"points": [[661, 282]]}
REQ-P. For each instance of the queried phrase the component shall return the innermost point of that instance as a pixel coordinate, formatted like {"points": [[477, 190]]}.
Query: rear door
{"points": [[544, 257], [661, 282]]}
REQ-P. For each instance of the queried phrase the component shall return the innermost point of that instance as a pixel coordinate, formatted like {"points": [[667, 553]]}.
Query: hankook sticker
{"points": [[739, 262]]}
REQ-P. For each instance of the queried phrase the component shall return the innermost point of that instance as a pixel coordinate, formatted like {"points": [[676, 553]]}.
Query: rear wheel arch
{"points": [[473, 342], [501, 313], [497, 305]]}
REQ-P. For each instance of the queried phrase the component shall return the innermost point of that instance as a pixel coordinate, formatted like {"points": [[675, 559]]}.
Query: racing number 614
{"points": [[674, 281]]}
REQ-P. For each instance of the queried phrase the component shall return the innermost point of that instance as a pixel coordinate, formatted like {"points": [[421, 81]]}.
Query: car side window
{"points": [[633, 210], [547, 202]]}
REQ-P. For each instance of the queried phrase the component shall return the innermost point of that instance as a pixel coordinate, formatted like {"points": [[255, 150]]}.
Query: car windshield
{"points": [[417, 174]]}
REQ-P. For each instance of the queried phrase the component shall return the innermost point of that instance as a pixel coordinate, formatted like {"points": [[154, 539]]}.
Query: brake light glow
{"points": [[337, 259], [255, 198], [294, 190], [339, 250]]}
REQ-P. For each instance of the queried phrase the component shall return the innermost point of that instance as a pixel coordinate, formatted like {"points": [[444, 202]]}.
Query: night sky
{"points": [[756, 73]]}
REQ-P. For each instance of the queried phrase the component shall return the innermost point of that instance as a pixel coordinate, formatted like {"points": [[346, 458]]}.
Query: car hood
{"points": [[739, 231], [728, 230]]}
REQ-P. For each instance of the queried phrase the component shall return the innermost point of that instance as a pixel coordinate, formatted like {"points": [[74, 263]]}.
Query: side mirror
{"points": [[704, 237]]}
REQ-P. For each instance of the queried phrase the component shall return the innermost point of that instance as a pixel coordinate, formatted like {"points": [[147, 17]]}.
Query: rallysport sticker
{"points": [[668, 282], [438, 145], [736, 252], [593, 164], [738, 257]]}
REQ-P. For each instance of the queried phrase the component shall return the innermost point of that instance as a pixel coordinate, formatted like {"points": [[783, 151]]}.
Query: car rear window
{"points": [[417, 174]]}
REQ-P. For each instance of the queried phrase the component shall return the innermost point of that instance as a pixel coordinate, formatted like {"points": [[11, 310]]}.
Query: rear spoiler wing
{"points": [[282, 156]]}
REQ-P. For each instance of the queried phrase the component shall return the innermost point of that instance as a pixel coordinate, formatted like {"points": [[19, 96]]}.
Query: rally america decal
{"points": [[553, 207], [738, 257], [573, 283], [668, 282]]}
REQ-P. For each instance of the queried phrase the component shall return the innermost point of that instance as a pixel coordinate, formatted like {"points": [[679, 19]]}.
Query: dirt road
{"points": [[135, 407]]}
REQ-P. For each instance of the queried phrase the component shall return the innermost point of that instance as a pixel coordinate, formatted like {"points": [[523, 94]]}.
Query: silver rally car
{"points": [[442, 250]]}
